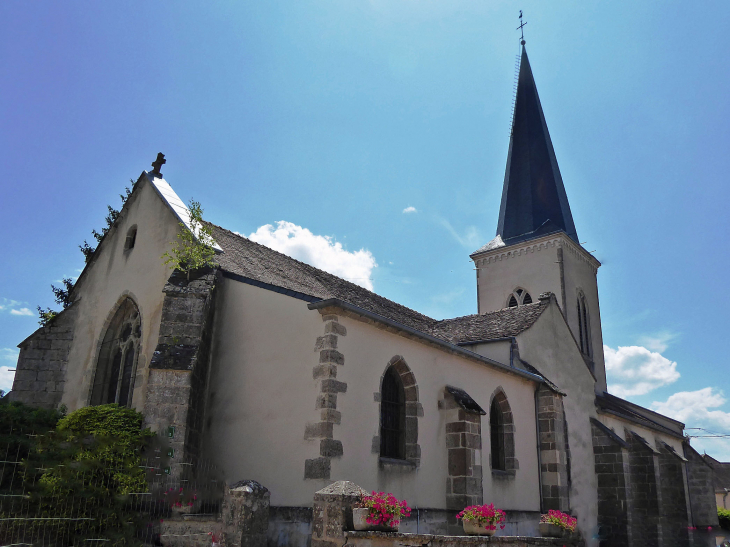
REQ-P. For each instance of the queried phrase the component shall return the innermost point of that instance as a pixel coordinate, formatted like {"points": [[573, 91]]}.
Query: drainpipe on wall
{"points": [[539, 456]]}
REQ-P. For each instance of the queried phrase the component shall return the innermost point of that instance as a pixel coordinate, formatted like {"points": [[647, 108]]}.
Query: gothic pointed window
{"points": [[392, 416], [584, 332], [519, 297], [113, 380], [496, 435]]}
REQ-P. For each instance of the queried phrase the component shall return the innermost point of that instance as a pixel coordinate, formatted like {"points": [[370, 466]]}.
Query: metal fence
{"points": [[60, 502]]}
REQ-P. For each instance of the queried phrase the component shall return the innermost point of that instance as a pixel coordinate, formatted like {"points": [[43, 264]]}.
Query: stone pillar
{"points": [[644, 493], [610, 453], [701, 490], [245, 514], [554, 450], [179, 367], [674, 522], [464, 449], [326, 373], [332, 513]]}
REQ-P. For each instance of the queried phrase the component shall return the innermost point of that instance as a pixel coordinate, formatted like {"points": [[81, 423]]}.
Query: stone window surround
{"points": [[414, 410], [100, 342], [511, 462]]}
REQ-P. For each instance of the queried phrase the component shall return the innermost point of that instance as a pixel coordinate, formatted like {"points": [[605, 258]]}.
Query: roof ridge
{"points": [[320, 271]]}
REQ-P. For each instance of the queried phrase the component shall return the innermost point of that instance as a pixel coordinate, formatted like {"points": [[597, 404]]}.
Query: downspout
{"points": [[539, 455]]}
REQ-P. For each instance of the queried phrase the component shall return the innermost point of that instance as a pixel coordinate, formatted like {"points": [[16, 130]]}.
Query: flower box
{"points": [[481, 520], [380, 512], [360, 521], [473, 528], [548, 530]]}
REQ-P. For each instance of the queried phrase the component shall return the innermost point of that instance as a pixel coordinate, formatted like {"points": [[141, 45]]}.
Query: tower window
{"points": [[131, 238], [519, 297], [392, 416], [584, 332]]}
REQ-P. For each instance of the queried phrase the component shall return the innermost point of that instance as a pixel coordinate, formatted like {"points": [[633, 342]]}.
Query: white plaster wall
{"points": [[579, 275], [367, 350], [619, 426], [534, 269], [139, 271], [550, 348], [498, 351], [261, 392]]}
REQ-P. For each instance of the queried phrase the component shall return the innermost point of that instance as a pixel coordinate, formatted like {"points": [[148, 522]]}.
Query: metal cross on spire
{"points": [[521, 28]]}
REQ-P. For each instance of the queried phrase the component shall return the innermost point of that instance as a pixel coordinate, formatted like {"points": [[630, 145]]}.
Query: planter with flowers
{"points": [[557, 524], [379, 512], [481, 520]]}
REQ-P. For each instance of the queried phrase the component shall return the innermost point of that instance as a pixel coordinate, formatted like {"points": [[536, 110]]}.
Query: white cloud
{"points": [[410, 209], [634, 370], [470, 239], [319, 251], [22, 311], [699, 409], [657, 342], [6, 378]]}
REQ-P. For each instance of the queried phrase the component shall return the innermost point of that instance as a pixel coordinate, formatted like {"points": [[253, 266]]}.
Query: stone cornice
{"points": [[550, 241]]}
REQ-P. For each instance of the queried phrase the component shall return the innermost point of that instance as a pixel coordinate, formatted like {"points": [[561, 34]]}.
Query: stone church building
{"points": [[280, 372]]}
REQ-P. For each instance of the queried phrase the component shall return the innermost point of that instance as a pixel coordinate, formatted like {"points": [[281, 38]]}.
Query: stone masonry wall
{"points": [[552, 429], [701, 489], [611, 464], [326, 404], [41, 370], [179, 366], [644, 500], [674, 520], [464, 450]]}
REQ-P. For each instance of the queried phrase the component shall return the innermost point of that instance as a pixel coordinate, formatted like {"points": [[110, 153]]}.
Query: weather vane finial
{"points": [[521, 29]]}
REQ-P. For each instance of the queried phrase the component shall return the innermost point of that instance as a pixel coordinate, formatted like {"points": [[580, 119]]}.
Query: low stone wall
{"points": [[390, 539]]}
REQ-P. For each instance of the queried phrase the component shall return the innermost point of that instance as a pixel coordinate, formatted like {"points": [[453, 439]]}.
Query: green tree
{"points": [[194, 248]]}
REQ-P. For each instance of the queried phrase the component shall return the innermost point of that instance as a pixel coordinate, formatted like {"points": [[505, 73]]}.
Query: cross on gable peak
{"points": [[158, 163]]}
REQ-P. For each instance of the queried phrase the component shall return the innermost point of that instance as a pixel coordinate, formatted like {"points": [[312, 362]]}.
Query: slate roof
{"points": [[638, 414], [534, 202], [498, 324], [259, 263], [721, 473]]}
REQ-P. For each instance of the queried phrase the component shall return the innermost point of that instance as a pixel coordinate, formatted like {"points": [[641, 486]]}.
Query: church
{"points": [[282, 373]]}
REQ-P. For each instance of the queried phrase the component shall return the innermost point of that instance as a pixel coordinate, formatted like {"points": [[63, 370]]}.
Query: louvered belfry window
{"points": [[392, 416]]}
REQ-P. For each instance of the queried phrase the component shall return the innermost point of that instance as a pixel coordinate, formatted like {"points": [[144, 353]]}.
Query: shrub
{"points": [[558, 518], [723, 516]]}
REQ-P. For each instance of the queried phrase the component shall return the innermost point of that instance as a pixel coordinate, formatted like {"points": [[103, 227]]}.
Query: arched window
{"points": [[502, 434], [519, 297], [118, 357], [392, 416], [584, 334]]}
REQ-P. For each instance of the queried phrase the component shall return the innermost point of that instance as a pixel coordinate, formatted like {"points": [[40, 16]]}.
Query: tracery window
{"points": [[392, 416], [113, 381], [519, 297], [584, 332]]}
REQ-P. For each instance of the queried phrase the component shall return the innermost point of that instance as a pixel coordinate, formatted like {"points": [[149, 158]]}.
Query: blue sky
{"points": [[336, 116]]}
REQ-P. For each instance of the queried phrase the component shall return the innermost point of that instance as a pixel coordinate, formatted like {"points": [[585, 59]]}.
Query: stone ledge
{"points": [[418, 540]]}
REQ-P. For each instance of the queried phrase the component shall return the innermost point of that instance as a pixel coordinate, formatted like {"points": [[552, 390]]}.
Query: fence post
{"points": [[246, 514]]}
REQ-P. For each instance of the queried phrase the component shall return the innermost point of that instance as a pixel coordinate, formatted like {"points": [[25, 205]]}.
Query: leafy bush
{"points": [[82, 475], [724, 517]]}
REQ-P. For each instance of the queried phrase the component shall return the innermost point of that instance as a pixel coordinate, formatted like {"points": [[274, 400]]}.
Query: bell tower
{"points": [[537, 249]]}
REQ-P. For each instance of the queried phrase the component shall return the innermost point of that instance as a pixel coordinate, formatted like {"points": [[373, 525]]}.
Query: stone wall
{"points": [[554, 450], [332, 513], [389, 539], [701, 489], [179, 366], [326, 372], [40, 374], [611, 463], [674, 511], [464, 452], [644, 499]]}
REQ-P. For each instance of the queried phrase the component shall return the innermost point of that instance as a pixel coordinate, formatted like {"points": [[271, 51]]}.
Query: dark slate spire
{"points": [[534, 202]]}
